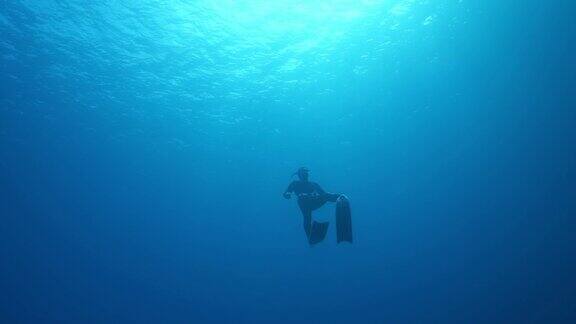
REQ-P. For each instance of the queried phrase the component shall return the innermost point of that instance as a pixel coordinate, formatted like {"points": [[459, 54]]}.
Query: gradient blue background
{"points": [[144, 147]]}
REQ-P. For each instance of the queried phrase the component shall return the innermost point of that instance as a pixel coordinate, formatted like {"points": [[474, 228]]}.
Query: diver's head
{"points": [[303, 173]]}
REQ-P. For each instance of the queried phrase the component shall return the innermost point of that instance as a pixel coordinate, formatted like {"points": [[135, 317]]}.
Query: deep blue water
{"points": [[145, 145]]}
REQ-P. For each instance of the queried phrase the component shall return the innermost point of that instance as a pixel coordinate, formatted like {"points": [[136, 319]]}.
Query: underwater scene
{"points": [[287, 161]]}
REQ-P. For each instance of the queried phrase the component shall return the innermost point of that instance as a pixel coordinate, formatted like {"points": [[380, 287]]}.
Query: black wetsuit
{"points": [[310, 197]]}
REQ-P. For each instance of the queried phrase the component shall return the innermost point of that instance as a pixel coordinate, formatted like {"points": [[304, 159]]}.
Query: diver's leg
{"points": [[331, 197], [320, 200], [307, 222]]}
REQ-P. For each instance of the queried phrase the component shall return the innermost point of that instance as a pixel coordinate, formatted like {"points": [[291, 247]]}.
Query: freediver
{"points": [[311, 197]]}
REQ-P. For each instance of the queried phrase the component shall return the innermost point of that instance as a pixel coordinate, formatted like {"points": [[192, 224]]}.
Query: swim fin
{"points": [[318, 232], [343, 220]]}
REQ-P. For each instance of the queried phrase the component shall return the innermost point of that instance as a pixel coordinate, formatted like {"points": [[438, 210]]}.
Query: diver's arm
{"points": [[289, 190]]}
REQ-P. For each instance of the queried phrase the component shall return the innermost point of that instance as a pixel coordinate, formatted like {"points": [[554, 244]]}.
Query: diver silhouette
{"points": [[311, 197]]}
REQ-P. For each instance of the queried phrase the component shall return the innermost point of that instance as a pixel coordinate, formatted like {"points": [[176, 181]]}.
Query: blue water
{"points": [[145, 146]]}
